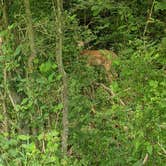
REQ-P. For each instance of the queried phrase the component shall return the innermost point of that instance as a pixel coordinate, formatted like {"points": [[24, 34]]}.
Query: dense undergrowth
{"points": [[124, 127]]}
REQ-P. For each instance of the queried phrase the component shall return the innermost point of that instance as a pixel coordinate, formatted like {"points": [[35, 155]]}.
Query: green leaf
{"points": [[54, 66], [96, 10], [149, 148], [59, 77], [58, 107], [41, 136], [3, 33], [36, 61], [18, 50], [51, 77], [13, 152], [138, 163], [160, 6], [137, 144], [25, 100], [10, 27], [45, 67], [23, 137], [29, 147], [153, 83], [1, 117], [163, 43]]}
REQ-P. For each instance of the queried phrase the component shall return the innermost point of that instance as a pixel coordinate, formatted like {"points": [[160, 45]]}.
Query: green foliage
{"points": [[120, 123], [160, 5], [21, 149]]}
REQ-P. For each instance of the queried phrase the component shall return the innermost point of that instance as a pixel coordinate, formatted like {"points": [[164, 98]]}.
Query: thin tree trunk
{"points": [[59, 44], [8, 94], [5, 15], [3, 98], [4, 94], [30, 35]]}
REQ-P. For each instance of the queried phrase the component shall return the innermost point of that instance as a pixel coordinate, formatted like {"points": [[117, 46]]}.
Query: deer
{"points": [[101, 57]]}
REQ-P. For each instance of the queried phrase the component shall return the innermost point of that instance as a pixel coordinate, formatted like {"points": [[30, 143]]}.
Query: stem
{"points": [[62, 72], [30, 34], [148, 19]]}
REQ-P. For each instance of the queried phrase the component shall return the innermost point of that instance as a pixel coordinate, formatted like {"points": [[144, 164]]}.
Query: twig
{"points": [[164, 150], [145, 159], [12, 101], [148, 20], [110, 92]]}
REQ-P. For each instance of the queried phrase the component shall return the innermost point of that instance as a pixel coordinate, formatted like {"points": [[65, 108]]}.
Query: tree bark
{"points": [[32, 55], [30, 35], [59, 44], [4, 94]]}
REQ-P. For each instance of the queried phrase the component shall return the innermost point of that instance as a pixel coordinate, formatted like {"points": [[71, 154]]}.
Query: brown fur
{"points": [[100, 57]]}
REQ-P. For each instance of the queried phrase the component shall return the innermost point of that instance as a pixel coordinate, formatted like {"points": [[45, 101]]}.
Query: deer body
{"points": [[100, 58]]}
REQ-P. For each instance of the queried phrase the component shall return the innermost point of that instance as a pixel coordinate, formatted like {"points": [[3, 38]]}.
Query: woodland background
{"points": [[41, 70]]}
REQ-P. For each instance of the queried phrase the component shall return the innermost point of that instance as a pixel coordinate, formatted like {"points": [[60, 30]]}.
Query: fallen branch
{"points": [[110, 92]]}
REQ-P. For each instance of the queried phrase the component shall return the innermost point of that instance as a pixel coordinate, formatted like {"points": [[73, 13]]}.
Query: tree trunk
{"points": [[4, 94], [30, 35], [59, 44]]}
